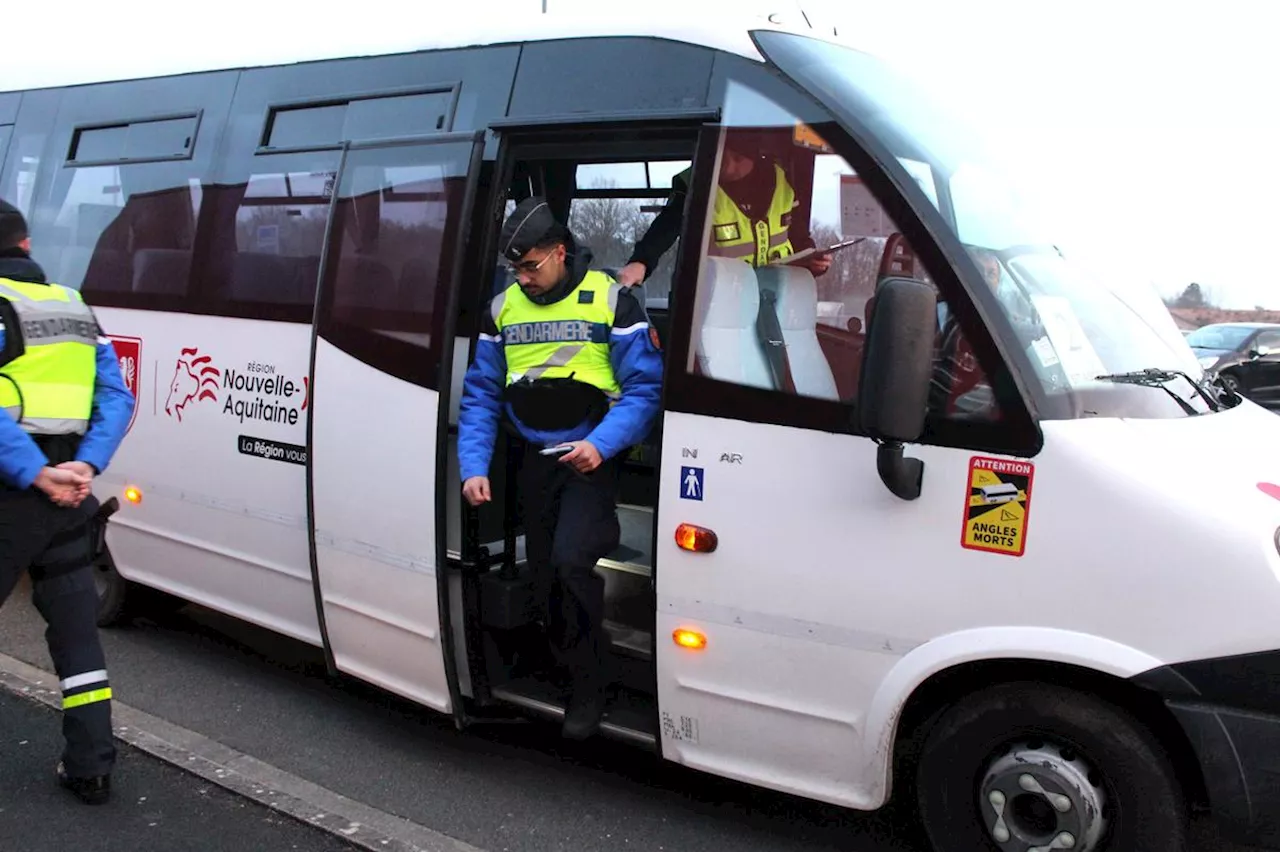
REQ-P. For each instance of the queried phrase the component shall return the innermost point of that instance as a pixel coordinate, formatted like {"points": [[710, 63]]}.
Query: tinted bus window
{"points": [[391, 254], [161, 139], [376, 117], [263, 234]]}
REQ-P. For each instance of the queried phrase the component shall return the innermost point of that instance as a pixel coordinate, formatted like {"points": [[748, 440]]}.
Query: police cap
{"points": [[531, 223]]}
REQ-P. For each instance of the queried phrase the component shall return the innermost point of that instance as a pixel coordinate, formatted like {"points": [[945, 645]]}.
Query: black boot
{"points": [[91, 791], [586, 709]]}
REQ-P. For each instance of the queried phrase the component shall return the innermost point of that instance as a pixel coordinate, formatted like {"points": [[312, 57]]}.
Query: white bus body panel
{"points": [[369, 35], [374, 462], [829, 600], [216, 526]]}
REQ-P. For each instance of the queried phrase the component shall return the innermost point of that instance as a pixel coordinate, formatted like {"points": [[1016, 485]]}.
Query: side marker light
{"points": [[690, 639], [696, 539]]}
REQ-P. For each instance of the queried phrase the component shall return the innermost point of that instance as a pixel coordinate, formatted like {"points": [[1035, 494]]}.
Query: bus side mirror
{"points": [[897, 365]]}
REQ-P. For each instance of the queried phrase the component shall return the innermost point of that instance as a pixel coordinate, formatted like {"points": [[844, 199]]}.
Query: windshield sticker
{"points": [[1045, 352], [997, 505], [860, 213], [1074, 351], [805, 136]]}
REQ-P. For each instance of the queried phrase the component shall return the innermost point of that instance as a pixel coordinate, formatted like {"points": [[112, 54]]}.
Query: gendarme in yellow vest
{"points": [[760, 242], [48, 389], [569, 337]]}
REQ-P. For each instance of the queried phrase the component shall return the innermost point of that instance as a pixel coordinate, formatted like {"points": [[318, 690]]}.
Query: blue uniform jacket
{"points": [[637, 365], [20, 458]]}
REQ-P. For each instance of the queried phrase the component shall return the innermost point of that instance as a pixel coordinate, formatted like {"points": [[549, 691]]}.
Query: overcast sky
{"points": [[1143, 129]]}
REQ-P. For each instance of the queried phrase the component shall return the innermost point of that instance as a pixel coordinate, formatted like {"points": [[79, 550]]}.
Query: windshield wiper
{"points": [[1157, 377]]}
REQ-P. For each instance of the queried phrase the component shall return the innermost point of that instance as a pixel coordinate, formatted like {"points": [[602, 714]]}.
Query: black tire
{"points": [[120, 601], [1144, 809], [1230, 382], [113, 591]]}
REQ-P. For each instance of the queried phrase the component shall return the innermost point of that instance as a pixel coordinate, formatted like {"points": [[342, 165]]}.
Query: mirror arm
{"points": [[901, 474]]}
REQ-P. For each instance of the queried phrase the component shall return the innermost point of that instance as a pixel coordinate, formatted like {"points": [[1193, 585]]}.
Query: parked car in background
{"points": [[1246, 355]]}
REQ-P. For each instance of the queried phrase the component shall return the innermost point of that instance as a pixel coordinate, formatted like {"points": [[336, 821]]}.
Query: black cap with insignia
{"points": [[530, 223]]}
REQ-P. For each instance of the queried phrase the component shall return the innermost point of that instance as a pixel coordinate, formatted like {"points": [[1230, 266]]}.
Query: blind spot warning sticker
{"points": [[997, 505]]}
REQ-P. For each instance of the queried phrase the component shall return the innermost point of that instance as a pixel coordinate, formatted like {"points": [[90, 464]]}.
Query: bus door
{"points": [[382, 333]]}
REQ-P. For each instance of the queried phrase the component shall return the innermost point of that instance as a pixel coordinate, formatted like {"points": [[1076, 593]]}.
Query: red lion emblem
{"points": [[194, 379]]}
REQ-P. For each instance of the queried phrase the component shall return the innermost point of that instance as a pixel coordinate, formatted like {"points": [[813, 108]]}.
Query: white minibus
{"points": [[291, 247]]}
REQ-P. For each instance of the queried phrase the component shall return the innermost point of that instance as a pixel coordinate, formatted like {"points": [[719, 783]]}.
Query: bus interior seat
{"points": [[417, 290], [308, 277], [364, 281], [725, 315], [897, 261], [259, 277], [164, 272], [797, 306]]}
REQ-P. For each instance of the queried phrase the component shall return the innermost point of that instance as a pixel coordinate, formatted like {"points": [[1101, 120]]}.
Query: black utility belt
{"points": [[555, 404], [58, 448]]}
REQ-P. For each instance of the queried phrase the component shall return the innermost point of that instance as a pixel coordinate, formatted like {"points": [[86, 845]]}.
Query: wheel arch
{"points": [[939, 673]]}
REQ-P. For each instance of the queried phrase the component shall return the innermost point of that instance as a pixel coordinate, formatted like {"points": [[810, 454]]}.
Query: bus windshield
{"points": [[1077, 331]]}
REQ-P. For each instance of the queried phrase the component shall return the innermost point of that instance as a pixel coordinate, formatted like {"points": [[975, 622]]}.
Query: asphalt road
{"points": [[510, 787], [156, 806]]}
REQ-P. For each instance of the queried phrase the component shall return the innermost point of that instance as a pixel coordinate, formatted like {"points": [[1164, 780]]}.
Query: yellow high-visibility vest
{"points": [[48, 388], [569, 337], [734, 234]]}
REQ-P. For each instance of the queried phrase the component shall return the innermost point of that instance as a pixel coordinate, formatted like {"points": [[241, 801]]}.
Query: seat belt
{"points": [[769, 333]]}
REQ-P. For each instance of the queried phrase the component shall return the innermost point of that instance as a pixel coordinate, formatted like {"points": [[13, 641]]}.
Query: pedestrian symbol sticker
{"points": [[691, 483], [997, 504]]}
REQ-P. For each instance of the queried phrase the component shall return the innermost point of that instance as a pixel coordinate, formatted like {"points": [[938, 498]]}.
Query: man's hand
{"points": [[632, 274], [818, 264], [584, 458], [476, 490], [83, 469], [65, 487]]}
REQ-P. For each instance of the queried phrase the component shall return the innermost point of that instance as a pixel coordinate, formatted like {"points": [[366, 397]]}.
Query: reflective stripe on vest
{"points": [[48, 389], [759, 242], [569, 337]]}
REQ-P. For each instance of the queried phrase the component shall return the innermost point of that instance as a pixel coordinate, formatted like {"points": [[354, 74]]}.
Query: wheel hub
{"points": [[1040, 798]]}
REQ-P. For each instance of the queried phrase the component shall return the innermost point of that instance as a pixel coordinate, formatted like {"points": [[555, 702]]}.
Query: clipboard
{"points": [[801, 255]]}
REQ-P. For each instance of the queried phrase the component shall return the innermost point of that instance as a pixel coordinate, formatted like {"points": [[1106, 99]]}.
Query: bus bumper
{"points": [[1229, 710]]}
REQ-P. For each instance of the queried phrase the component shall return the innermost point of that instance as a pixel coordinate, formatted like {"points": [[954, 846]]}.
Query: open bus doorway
{"points": [[608, 191]]}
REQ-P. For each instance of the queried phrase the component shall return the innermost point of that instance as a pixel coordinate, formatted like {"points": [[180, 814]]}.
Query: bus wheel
{"points": [[112, 590], [1025, 766], [119, 600]]}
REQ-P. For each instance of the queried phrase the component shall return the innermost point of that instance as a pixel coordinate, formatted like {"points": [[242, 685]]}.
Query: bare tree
{"points": [[851, 280], [611, 227]]}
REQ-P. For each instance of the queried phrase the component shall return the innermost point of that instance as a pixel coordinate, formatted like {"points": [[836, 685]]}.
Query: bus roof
{"points": [[316, 38]]}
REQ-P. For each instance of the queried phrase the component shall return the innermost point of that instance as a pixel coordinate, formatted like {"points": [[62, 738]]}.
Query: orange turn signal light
{"points": [[696, 539], [691, 639], [133, 494]]}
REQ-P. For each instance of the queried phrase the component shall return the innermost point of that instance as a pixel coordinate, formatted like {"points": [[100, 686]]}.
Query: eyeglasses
{"points": [[528, 266]]}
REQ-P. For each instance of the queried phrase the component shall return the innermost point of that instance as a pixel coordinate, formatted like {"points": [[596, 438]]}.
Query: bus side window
{"points": [[124, 210], [264, 231]]}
